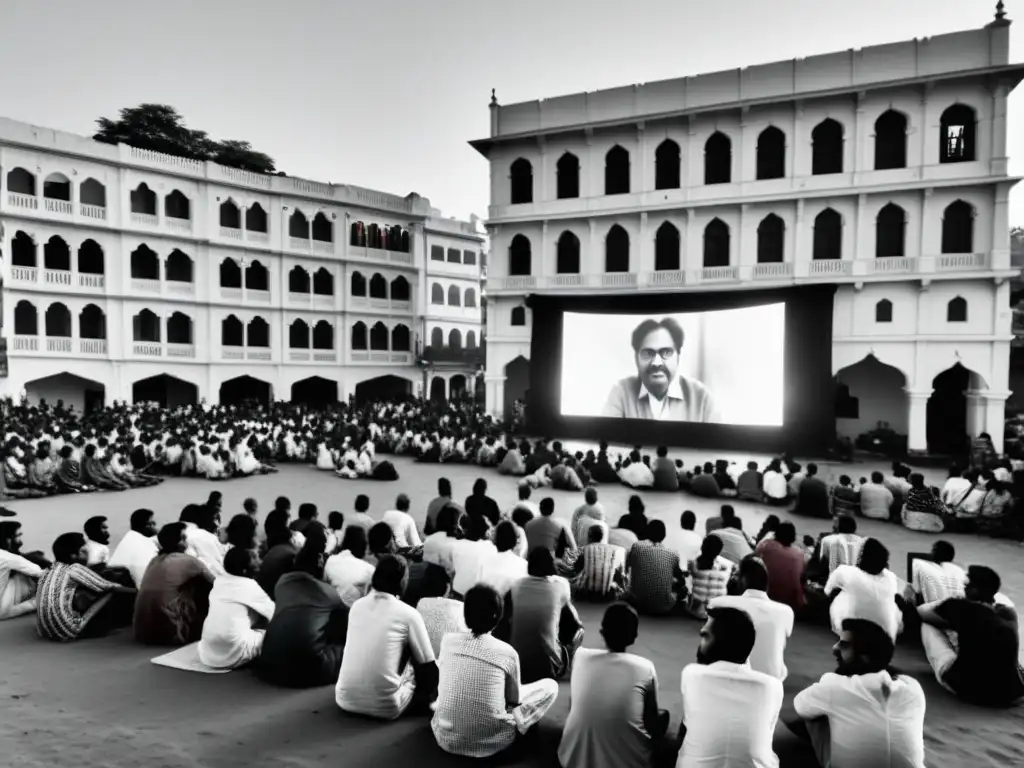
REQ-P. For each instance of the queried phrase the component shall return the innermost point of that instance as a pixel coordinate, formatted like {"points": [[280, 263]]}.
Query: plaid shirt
{"points": [[653, 574], [56, 615]]}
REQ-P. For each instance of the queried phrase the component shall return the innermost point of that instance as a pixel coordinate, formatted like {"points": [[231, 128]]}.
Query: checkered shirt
{"points": [[652, 577]]}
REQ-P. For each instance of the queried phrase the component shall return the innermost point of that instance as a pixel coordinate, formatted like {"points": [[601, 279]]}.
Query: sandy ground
{"points": [[101, 703]]}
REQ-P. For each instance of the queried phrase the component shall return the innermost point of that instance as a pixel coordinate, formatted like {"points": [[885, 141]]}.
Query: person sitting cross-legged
{"points": [[19, 575], [709, 577], [843, 545], [614, 720], [867, 590], [482, 703], [138, 547], [865, 713], [729, 710], [786, 567], [549, 532], [600, 570], [981, 667], [656, 581], [388, 659], [441, 613], [773, 622], [587, 514], [505, 568], [348, 572]]}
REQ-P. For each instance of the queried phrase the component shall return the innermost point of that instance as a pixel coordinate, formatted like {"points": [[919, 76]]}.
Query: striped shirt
{"points": [[56, 615], [602, 567]]}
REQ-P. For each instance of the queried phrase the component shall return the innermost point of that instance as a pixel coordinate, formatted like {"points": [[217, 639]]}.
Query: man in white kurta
{"points": [[229, 639], [138, 547], [18, 575]]}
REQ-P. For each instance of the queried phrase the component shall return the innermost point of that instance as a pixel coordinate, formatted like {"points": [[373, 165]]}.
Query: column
{"points": [[693, 253], [447, 388], [924, 129], [858, 158], [495, 395], [545, 172], [917, 421], [746, 254], [590, 258], [975, 412], [926, 211], [646, 248], [858, 227], [740, 158], [544, 267], [993, 416], [800, 268], [641, 149], [794, 141], [1000, 227], [998, 161]]}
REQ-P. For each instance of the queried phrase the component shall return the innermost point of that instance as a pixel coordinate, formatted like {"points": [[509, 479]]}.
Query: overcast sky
{"points": [[385, 93]]}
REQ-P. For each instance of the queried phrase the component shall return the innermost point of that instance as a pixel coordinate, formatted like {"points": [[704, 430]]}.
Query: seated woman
{"points": [[73, 601], [174, 597], [709, 577], [866, 591], [995, 518], [238, 605], [482, 704], [923, 510]]}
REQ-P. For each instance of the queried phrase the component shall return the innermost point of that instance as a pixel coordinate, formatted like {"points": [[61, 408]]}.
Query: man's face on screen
{"points": [[657, 361]]}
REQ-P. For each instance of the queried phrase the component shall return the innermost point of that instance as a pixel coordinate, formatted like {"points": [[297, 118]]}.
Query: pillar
{"points": [[645, 248], [998, 161], [447, 388], [975, 413], [495, 395], [992, 410], [592, 260], [917, 420]]}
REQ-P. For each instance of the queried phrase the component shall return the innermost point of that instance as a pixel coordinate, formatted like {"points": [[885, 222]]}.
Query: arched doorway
{"points": [[245, 390], [383, 388], [167, 391], [84, 395], [315, 391], [437, 392], [871, 406], [947, 411], [457, 387], [517, 383]]}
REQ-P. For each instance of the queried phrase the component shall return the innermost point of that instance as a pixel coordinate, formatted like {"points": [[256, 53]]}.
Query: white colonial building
{"points": [[132, 275], [882, 170]]}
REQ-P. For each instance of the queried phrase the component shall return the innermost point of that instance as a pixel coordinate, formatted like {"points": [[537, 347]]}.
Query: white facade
{"points": [[941, 240], [204, 274]]}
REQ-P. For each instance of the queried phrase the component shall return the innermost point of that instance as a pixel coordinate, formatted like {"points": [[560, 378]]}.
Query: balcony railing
{"points": [[446, 354], [145, 219], [92, 346], [97, 212], [25, 343], [323, 246], [24, 274], [148, 349], [57, 276], [58, 344], [831, 267], [179, 225], [60, 207], [771, 270], [231, 233], [91, 281], [232, 353], [257, 237], [18, 200], [187, 351]]}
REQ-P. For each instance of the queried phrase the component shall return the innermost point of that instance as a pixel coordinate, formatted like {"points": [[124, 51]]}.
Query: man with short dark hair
{"points": [[587, 514], [845, 498], [664, 469], [549, 532], [735, 543], [656, 581], [685, 540], [658, 392], [138, 547], [875, 498], [786, 567], [402, 524], [308, 513], [231, 637], [750, 484], [843, 545], [812, 497], [443, 498], [361, 514], [479, 504], [18, 575], [502, 570]]}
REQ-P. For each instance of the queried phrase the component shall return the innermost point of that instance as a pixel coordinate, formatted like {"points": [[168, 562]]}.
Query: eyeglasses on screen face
{"points": [[648, 355]]}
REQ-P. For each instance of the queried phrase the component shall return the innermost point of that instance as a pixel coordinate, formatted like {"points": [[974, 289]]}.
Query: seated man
{"points": [[864, 713], [656, 582], [238, 604], [97, 541], [544, 627], [348, 571], [500, 571], [735, 543], [786, 567], [388, 660], [842, 547], [876, 500], [725, 701], [19, 576], [402, 524], [614, 718], [773, 622], [549, 532], [750, 485], [138, 547], [599, 573], [441, 613], [664, 469], [845, 498], [935, 576], [982, 668], [482, 704], [587, 514], [867, 590], [812, 495]]}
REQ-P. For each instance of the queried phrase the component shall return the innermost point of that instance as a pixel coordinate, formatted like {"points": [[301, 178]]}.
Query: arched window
{"points": [[179, 328], [771, 154], [518, 315], [230, 274], [26, 319], [298, 280], [145, 327], [57, 254], [23, 250], [230, 216], [298, 225], [144, 264], [323, 282], [178, 267], [958, 133], [143, 200], [454, 296], [567, 260], [828, 235], [455, 339], [323, 335], [231, 332], [616, 171], [666, 165], [716, 244], [890, 231], [257, 278], [437, 338], [92, 323], [357, 234], [568, 171], [373, 238], [256, 218], [257, 333], [519, 256], [890, 141], [323, 229], [177, 206], [357, 284], [378, 286], [400, 339], [57, 186], [359, 336], [298, 335], [616, 250], [958, 228], [58, 321], [771, 239], [400, 290], [21, 182], [666, 247], [470, 298], [437, 294], [718, 159], [92, 192], [521, 181], [379, 337], [470, 340], [90, 258], [883, 311], [956, 310], [827, 148]]}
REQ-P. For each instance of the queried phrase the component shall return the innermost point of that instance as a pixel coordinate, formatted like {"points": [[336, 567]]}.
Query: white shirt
{"points": [[864, 596], [659, 408], [228, 637], [874, 720], [685, 543], [773, 623], [207, 548], [134, 552], [840, 549], [955, 489], [730, 712], [775, 486], [937, 581], [501, 571], [99, 554], [381, 627], [351, 577], [17, 585], [439, 549], [468, 558], [404, 528]]}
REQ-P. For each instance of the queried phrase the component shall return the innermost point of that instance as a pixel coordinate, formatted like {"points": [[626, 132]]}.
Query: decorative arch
{"points": [[257, 333], [178, 267], [958, 134], [92, 192], [90, 258], [667, 165], [177, 206], [958, 228], [454, 296], [359, 336], [771, 240], [298, 280], [771, 154], [828, 235], [144, 263], [616, 250], [298, 334], [256, 219], [323, 282], [567, 258], [26, 319], [401, 339], [437, 294], [23, 250], [568, 171], [21, 182], [143, 200], [717, 244], [436, 338], [298, 225], [870, 391], [470, 298], [57, 186], [257, 277], [378, 286], [179, 329], [323, 228], [827, 147], [92, 323], [521, 181], [230, 274], [230, 215], [666, 247], [718, 159], [890, 140], [400, 289], [357, 284], [146, 327], [520, 257], [232, 332], [616, 171], [323, 335], [883, 311], [890, 231], [167, 391], [379, 337], [57, 254]]}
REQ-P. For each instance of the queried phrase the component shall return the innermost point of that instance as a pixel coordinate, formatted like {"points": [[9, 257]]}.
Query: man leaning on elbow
{"points": [[658, 391]]}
